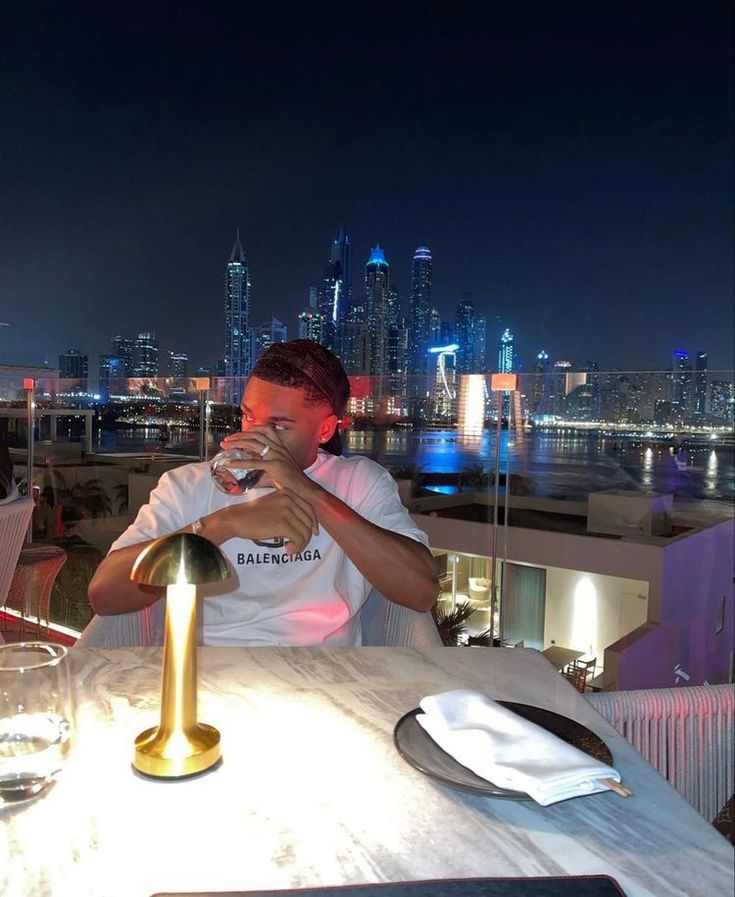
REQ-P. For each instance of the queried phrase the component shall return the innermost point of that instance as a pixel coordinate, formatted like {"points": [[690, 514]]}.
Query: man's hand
{"points": [[269, 454], [280, 514]]}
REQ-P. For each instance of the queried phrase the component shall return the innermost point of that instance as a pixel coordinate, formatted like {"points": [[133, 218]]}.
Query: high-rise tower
{"points": [[145, 355], [419, 313], [378, 307], [506, 352], [681, 383], [237, 308], [464, 328], [700, 384]]}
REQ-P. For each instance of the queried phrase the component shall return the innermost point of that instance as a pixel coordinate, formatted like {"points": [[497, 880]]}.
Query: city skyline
{"points": [[237, 268], [571, 169]]}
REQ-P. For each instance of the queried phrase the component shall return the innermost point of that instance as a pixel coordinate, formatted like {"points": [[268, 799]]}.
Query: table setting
{"points": [[312, 792]]}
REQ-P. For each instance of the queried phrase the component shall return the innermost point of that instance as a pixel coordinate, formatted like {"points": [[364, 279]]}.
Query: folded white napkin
{"points": [[507, 750]]}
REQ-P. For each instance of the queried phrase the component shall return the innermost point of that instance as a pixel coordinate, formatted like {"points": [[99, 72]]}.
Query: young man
{"points": [[308, 543]]}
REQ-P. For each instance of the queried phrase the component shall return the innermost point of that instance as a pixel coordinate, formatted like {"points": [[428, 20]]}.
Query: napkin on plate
{"points": [[509, 751]]}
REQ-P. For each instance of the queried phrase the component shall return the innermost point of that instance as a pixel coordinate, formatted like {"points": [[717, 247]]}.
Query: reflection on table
{"points": [[311, 790]]}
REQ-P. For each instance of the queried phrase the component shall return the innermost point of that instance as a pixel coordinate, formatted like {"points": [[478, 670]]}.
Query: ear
{"points": [[327, 428]]}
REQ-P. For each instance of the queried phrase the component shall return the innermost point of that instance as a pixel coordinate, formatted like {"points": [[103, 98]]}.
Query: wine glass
{"points": [[36, 718], [230, 479]]}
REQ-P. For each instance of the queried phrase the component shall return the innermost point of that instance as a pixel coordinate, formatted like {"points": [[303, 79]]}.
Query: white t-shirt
{"points": [[272, 597]]}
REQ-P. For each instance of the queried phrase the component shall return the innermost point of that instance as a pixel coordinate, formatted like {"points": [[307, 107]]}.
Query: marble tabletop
{"points": [[311, 791]]}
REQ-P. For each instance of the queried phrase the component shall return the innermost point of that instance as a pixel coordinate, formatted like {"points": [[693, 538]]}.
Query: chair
{"points": [[33, 580], [383, 623], [577, 672], [14, 519]]}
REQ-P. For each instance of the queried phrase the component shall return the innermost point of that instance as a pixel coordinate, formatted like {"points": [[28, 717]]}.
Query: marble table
{"points": [[311, 790]]}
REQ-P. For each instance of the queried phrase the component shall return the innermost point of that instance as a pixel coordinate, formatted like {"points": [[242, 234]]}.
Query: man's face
{"points": [[301, 428]]}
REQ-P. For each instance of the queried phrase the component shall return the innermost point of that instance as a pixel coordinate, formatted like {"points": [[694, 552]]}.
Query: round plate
{"points": [[417, 747]]}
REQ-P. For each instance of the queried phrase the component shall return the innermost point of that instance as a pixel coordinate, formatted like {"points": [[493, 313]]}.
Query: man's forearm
{"points": [[111, 590], [399, 567]]}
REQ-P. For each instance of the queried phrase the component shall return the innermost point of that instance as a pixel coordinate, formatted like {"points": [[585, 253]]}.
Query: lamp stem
{"points": [[179, 745], [179, 680]]}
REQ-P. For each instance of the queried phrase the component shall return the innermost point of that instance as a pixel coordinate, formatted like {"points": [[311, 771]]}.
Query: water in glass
{"points": [[230, 479], [36, 718]]}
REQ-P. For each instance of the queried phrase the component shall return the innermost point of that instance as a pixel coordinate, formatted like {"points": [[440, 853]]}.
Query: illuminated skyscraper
{"points": [[681, 381], [112, 374], [419, 312], [178, 364], [145, 355], [445, 379], [335, 291], [378, 309], [722, 405], [464, 326], [123, 348], [506, 353], [237, 309], [310, 320], [479, 342], [700, 384], [541, 392]]}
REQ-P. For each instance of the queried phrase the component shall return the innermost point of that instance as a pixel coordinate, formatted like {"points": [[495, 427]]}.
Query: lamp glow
{"points": [[179, 745]]}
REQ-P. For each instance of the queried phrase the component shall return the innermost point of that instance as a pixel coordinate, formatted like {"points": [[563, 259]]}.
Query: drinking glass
{"points": [[229, 479], [36, 718]]}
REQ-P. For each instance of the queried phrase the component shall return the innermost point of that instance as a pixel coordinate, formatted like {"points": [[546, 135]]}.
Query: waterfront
{"points": [[553, 464]]}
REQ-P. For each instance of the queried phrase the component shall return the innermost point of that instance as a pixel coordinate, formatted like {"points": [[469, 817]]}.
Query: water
{"points": [[33, 747], [552, 464], [233, 480]]}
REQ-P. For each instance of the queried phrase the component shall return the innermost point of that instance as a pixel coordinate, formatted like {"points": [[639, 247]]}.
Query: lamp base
{"points": [[172, 755]]}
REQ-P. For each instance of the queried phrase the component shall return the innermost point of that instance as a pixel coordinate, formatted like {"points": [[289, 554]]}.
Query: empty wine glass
{"points": [[36, 718], [230, 479]]}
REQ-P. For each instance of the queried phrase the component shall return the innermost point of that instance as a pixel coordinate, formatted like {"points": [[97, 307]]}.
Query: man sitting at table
{"points": [[307, 544]]}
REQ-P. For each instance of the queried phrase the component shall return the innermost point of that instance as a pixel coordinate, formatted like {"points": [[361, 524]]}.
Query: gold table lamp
{"points": [[179, 745]]}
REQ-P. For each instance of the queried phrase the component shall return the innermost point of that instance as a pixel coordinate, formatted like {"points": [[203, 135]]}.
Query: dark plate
{"points": [[423, 753]]}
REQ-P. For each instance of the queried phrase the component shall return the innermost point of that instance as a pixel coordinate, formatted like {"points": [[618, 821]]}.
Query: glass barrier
{"points": [[554, 436]]}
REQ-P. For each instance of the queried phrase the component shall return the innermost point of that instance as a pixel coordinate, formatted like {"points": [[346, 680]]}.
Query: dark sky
{"points": [[571, 164]]}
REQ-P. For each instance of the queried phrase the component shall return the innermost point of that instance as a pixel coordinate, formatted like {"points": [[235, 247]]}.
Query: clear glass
{"points": [[230, 479], [36, 718]]}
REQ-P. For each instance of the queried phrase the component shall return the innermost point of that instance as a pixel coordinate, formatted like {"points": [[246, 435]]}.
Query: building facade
{"points": [[237, 363]]}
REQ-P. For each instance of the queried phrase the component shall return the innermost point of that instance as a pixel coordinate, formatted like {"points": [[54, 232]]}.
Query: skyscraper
{"points": [[123, 348], [378, 308], [112, 374], [178, 364], [464, 331], [237, 309], [341, 252], [310, 319], [506, 352], [479, 343], [700, 384], [145, 355], [73, 365], [419, 312], [264, 335], [722, 404], [681, 377], [541, 392]]}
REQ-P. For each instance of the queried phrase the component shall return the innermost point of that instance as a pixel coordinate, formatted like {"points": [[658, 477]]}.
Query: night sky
{"points": [[570, 164]]}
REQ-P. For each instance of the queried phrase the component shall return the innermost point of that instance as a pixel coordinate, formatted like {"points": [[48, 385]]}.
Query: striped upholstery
{"points": [[687, 734], [14, 519]]}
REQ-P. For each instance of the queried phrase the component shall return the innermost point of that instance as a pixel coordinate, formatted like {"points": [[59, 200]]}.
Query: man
{"points": [[308, 543]]}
